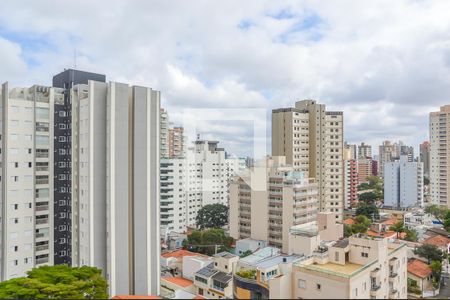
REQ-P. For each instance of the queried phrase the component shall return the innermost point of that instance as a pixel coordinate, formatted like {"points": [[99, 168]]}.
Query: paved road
{"points": [[444, 292]]}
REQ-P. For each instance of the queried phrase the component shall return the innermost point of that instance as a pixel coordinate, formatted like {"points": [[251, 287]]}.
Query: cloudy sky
{"points": [[386, 64]]}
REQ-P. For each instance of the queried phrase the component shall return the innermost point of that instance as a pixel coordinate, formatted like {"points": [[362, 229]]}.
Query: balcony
{"points": [[41, 221], [41, 260], [41, 235], [41, 208], [42, 248]]}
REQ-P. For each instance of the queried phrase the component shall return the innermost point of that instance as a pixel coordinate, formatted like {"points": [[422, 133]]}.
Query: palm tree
{"points": [[398, 227]]}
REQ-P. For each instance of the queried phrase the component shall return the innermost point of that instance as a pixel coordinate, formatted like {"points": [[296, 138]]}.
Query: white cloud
{"points": [[385, 63]]}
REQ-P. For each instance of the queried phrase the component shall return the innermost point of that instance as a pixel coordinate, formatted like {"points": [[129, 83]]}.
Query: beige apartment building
{"points": [[280, 198], [360, 267], [439, 156], [176, 142], [311, 138]]}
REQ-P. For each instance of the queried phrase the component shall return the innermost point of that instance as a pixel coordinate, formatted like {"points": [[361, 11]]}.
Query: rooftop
{"points": [[419, 268], [347, 270], [180, 281], [349, 221], [308, 229], [341, 244], [275, 261], [259, 255], [437, 240], [225, 255]]}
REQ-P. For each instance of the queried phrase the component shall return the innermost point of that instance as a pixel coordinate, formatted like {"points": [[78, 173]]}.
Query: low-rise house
{"points": [[172, 261], [420, 278], [170, 286], [215, 280], [360, 267]]}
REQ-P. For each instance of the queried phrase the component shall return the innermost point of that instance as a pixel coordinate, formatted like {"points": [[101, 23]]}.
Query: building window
{"points": [[201, 279], [302, 284], [318, 286]]}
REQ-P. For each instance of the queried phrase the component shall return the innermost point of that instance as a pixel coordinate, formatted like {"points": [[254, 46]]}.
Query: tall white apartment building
{"points": [[439, 156], [200, 178], [403, 183], [115, 188], [311, 138], [265, 204], [26, 175]]}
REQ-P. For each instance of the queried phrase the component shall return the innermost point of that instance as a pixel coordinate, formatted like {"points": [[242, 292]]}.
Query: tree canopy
{"points": [[362, 223], [369, 197], [205, 241], [441, 213], [411, 235], [368, 210], [60, 282], [212, 216], [429, 252]]}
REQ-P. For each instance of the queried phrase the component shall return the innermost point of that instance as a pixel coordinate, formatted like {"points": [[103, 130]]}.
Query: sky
{"points": [[384, 63]]}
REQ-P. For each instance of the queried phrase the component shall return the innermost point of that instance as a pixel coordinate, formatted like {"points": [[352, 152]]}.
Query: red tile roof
{"points": [[419, 268], [386, 234], [180, 281], [179, 254], [349, 221], [437, 240]]}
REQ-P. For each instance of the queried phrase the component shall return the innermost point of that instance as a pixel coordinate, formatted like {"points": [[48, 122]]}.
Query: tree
{"points": [[436, 267], [398, 227], [429, 252], [362, 223], [439, 212], [59, 281], [212, 216], [347, 230], [446, 222], [208, 241], [411, 235], [363, 186], [368, 210], [369, 197]]}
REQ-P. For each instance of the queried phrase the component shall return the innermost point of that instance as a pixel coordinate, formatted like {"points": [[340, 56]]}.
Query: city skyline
{"points": [[265, 55]]}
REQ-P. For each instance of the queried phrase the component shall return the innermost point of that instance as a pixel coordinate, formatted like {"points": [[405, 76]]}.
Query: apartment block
{"points": [[177, 142], [364, 169], [359, 267], [197, 179], [164, 133], [364, 151], [350, 151], [439, 156], [63, 161], [351, 182], [26, 169], [265, 204], [425, 158], [115, 184], [403, 183], [311, 139]]}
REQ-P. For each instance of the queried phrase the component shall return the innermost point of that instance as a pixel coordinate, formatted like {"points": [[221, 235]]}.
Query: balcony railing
{"points": [[375, 287], [41, 235], [41, 207], [41, 247]]}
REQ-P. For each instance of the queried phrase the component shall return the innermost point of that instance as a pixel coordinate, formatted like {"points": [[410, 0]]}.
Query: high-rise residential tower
{"points": [[26, 175], [311, 138], [386, 154], [439, 156], [115, 184], [403, 183], [63, 161], [364, 151]]}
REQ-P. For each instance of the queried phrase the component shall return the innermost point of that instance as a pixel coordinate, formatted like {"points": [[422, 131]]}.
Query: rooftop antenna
{"points": [[198, 136]]}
